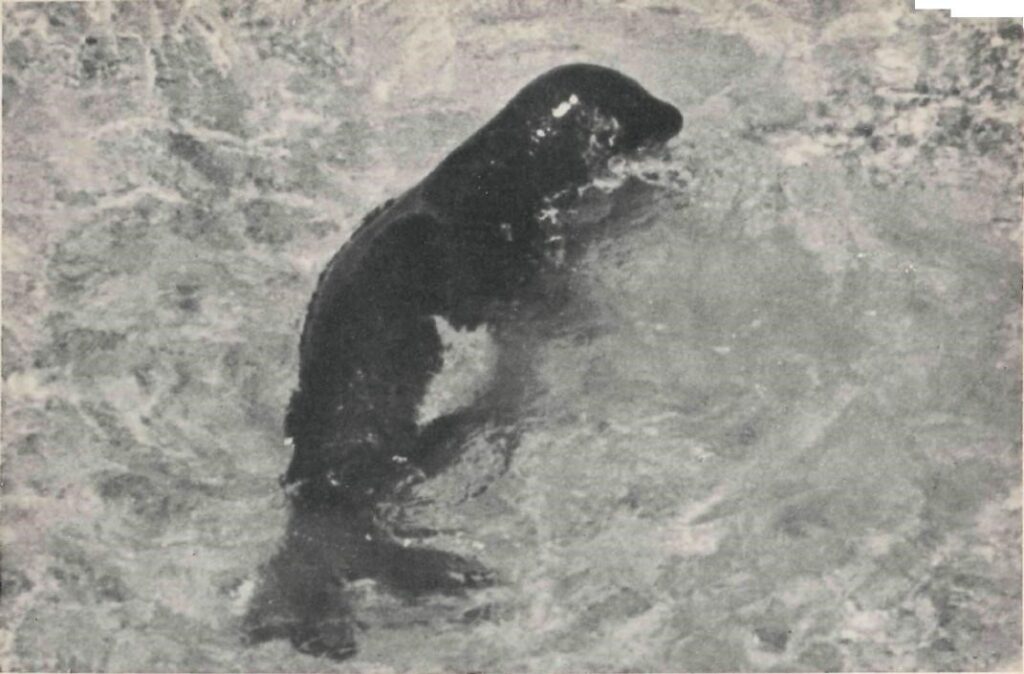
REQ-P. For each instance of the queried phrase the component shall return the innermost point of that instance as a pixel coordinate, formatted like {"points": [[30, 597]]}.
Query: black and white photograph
{"points": [[525, 336]]}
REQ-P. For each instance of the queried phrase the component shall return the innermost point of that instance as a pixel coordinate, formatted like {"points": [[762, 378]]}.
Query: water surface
{"points": [[780, 429]]}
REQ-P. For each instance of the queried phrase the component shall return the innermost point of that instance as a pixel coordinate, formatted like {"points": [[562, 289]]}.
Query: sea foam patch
{"points": [[470, 361]]}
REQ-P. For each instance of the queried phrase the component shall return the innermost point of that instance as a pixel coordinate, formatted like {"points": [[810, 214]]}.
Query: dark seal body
{"points": [[464, 245]]}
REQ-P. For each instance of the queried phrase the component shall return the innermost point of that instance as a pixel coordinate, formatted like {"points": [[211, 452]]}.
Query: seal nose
{"points": [[673, 123], [663, 121]]}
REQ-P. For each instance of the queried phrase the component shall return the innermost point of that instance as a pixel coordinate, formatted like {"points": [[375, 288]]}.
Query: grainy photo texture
{"points": [[510, 336]]}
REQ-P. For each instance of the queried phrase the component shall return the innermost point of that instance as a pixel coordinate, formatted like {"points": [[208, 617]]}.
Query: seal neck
{"points": [[502, 174]]}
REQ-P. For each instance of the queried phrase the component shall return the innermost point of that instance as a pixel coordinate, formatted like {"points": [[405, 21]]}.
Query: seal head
{"points": [[613, 109], [554, 135]]}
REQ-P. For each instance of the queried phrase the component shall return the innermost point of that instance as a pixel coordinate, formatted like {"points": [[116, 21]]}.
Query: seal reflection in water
{"points": [[455, 254]]}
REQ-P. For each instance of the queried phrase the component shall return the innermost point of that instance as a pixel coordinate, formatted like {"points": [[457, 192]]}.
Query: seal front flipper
{"points": [[412, 572]]}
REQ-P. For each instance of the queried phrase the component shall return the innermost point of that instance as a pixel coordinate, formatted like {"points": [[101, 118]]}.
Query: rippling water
{"points": [[778, 426]]}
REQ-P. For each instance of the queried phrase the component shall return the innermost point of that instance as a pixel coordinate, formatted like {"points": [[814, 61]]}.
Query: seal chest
{"points": [[470, 359]]}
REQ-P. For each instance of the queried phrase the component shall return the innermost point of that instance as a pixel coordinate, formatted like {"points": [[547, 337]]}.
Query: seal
{"points": [[421, 276]]}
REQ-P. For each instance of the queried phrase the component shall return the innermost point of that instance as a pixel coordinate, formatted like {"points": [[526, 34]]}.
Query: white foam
{"points": [[653, 170], [470, 361]]}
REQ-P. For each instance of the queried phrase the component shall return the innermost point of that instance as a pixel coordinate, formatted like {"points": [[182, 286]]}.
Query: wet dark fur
{"points": [[465, 244]]}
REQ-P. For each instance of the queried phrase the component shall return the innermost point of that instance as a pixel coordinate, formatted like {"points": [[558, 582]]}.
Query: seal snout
{"points": [[666, 122], [674, 121], [654, 124]]}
